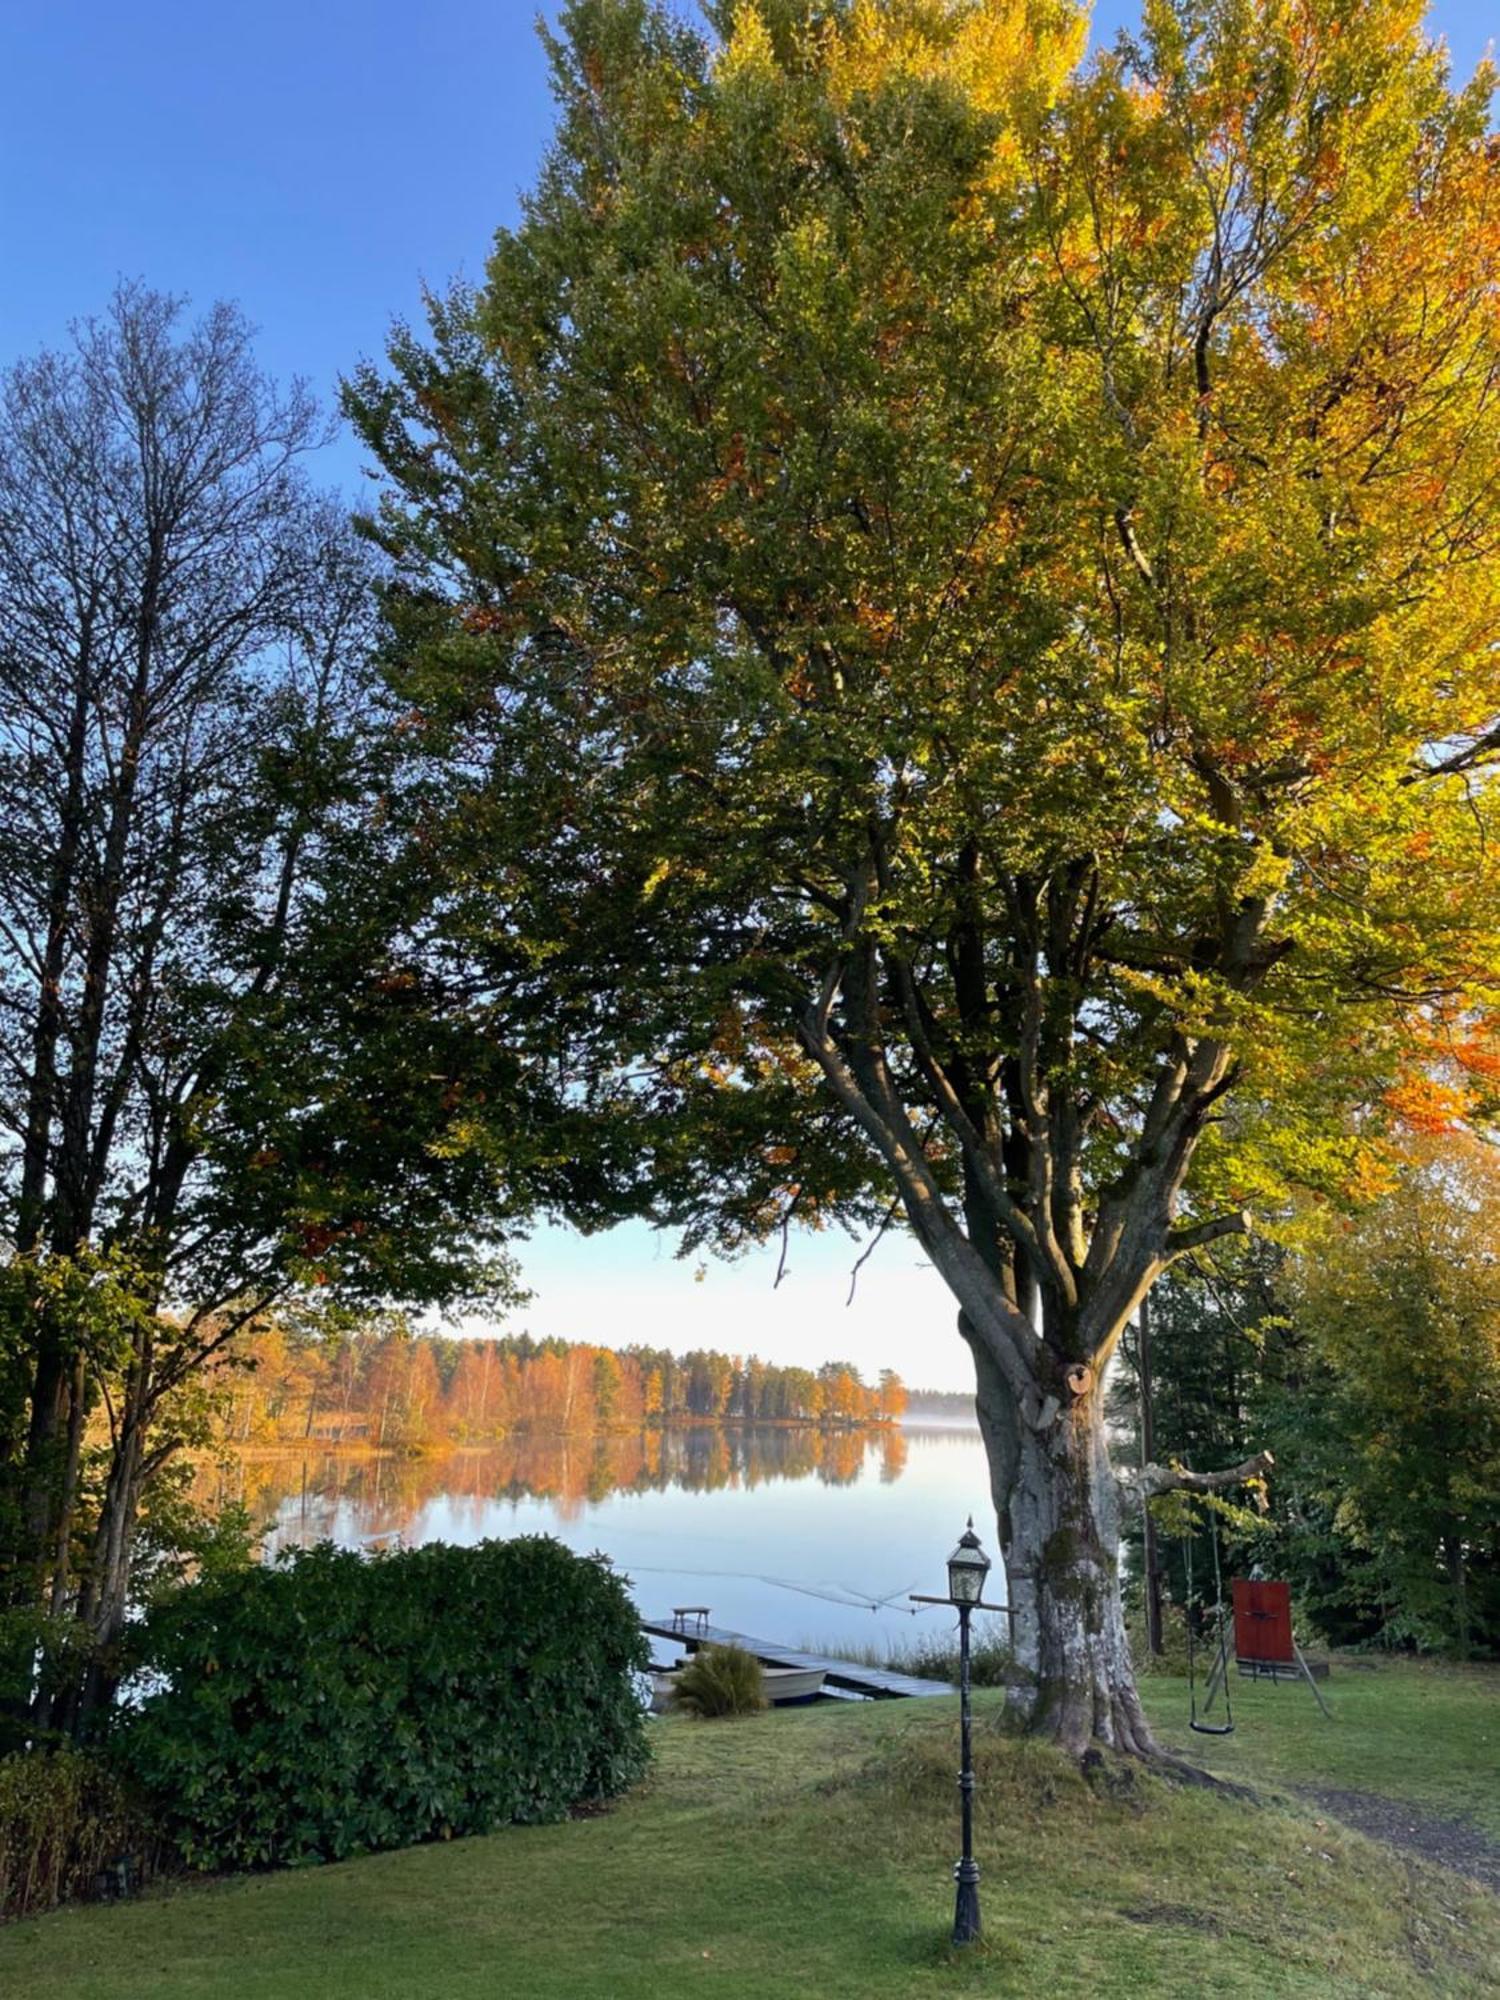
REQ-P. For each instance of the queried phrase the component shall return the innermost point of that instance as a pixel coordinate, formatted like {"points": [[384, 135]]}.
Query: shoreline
{"points": [[357, 1448]]}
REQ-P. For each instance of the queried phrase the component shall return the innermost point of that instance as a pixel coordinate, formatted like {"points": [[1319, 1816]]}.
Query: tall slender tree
{"points": [[966, 585], [202, 991]]}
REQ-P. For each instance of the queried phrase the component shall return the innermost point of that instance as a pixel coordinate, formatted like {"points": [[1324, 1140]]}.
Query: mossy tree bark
{"points": [[1058, 1511]]}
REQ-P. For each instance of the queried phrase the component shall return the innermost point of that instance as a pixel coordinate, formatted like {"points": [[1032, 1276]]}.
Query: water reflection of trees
{"points": [[373, 1498]]}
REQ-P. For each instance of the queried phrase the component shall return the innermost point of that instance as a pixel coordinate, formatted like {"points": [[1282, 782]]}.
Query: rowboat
{"points": [[783, 1684]]}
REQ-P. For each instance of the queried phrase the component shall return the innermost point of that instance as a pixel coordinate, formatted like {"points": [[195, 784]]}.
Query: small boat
{"points": [[793, 1683], [783, 1685]]}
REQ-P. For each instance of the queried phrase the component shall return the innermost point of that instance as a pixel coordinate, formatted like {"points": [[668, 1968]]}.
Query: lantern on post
{"points": [[968, 1566]]}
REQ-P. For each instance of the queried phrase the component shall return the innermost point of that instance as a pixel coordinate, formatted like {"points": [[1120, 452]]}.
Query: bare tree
{"points": [[176, 607]]}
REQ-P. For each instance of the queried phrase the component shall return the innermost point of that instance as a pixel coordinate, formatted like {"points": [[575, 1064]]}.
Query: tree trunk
{"points": [[105, 1599], [67, 1500], [1055, 1500], [1150, 1562], [49, 1474], [1458, 1578]]}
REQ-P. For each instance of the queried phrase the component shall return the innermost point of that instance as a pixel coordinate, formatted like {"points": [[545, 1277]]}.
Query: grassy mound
{"points": [[810, 1853]]}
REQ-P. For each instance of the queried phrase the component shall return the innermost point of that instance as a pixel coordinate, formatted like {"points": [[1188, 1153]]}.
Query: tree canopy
{"points": [[1390, 1398], [1367, 1362], [962, 582]]}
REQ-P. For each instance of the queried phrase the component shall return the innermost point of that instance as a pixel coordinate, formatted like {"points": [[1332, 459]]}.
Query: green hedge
{"points": [[332, 1704]]}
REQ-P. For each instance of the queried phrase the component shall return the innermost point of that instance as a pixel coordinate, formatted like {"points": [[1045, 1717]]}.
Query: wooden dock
{"points": [[877, 1683]]}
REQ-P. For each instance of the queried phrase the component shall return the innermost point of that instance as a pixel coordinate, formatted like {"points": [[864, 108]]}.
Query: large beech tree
{"points": [[959, 584]]}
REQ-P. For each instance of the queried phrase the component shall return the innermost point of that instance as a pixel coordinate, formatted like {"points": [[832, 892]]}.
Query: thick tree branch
{"points": [[1012, 1218], [1035, 1120], [1154, 1479], [1473, 755], [1006, 1333], [1180, 1241], [1137, 555], [861, 882]]}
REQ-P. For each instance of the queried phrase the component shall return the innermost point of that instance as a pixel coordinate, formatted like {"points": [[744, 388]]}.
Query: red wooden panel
{"points": [[1263, 1622]]}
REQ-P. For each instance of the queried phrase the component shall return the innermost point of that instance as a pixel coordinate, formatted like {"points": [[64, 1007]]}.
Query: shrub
{"points": [[1173, 1657], [332, 1704], [936, 1659], [934, 1656], [66, 1821], [721, 1680]]}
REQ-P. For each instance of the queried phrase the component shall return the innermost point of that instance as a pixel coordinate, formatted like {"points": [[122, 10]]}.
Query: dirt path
{"points": [[1453, 1843]]}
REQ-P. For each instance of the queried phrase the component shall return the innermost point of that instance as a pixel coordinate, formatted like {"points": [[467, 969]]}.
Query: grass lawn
{"points": [[1414, 1730], [809, 1854]]}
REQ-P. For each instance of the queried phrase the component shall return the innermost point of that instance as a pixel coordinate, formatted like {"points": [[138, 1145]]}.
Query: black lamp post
{"points": [[968, 1566]]}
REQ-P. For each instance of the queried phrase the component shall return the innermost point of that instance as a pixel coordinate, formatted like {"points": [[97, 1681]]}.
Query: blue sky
{"points": [[316, 160], [319, 162]]}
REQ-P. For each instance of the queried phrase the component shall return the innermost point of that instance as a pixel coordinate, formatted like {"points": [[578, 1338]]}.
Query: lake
{"points": [[793, 1535]]}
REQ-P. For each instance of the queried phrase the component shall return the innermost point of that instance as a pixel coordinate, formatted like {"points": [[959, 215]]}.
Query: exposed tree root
{"points": [[1114, 1761], [1109, 1768], [1178, 1771]]}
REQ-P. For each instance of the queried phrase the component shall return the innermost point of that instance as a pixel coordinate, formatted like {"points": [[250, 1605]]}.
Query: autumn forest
{"points": [[390, 1390]]}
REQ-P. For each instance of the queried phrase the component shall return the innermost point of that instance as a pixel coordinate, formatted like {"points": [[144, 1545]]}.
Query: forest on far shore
{"points": [[394, 1390]]}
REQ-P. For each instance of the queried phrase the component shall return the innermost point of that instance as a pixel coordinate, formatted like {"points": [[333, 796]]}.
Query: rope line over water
{"points": [[830, 1593]]}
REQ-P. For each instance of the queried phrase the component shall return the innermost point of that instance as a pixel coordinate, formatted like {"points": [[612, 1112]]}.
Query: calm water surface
{"points": [[787, 1535]]}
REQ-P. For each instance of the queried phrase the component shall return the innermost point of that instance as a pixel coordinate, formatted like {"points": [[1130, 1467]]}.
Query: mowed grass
{"points": [[810, 1853], [1415, 1730]]}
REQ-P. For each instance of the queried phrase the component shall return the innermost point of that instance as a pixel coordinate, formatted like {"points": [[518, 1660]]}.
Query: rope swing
{"points": [[1221, 1673]]}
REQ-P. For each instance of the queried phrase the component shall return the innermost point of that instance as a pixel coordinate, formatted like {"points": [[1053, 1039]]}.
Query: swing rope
{"points": [[1226, 1727]]}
